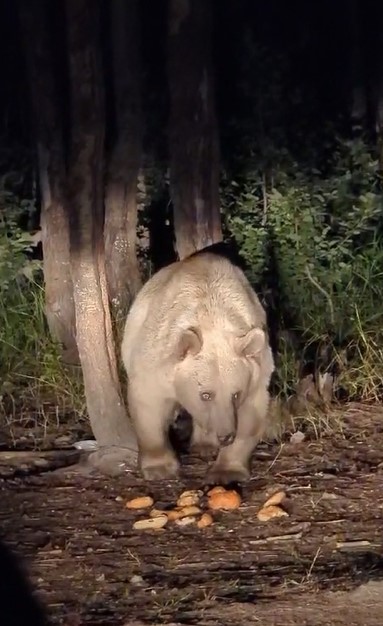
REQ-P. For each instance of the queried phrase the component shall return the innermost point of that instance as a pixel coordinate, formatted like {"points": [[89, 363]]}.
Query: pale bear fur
{"points": [[196, 338]]}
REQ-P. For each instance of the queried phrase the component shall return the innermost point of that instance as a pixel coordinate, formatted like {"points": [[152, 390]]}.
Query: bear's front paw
{"points": [[159, 468], [220, 475]]}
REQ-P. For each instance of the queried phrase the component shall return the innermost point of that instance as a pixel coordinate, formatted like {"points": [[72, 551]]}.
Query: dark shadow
{"points": [[180, 433], [161, 233], [18, 604], [227, 249]]}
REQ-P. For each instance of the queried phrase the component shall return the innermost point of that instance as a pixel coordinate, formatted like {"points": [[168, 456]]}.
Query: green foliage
{"points": [[15, 243], [304, 205], [327, 244], [32, 379], [325, 233], [243, 210]]}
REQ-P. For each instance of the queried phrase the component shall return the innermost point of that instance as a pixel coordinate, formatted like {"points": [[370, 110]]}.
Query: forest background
{"points": [[167, 126]]}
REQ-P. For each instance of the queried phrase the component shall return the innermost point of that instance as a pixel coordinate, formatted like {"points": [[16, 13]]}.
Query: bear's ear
{"points": [[190, 342], [251, 344]]}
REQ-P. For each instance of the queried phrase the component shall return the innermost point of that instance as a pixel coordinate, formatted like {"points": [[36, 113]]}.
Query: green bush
{"points": [[325, 234], [15, 242], [32, 379]]}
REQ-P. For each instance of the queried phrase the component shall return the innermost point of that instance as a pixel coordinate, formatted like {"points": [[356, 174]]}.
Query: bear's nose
{"points": [[226, 440]]}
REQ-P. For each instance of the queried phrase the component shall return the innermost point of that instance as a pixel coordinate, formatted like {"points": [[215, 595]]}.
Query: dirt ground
{"points": [[321, 565]]}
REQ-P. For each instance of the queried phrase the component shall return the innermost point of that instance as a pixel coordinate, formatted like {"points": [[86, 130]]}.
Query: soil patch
{"points": [[90, 567]]}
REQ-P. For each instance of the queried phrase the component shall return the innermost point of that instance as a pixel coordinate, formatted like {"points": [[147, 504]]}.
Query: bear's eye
{"points": [[206, 396], [236, 396]]}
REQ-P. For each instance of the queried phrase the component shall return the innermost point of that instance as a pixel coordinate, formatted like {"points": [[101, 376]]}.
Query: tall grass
{"points": [[33, 380]]}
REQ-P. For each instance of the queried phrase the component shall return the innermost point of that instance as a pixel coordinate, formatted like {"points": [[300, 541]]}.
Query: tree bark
{"points": [[378, 104], [123, 273], [59, 305], [193, 141], [106, 410], [358, 82]]}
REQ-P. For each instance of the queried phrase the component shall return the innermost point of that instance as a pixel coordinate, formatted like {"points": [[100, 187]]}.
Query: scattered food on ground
{"points": [[188, 508], [217, 489], [224, 500], [189, 498], [151, 523], [158, 512], [276, 499], [272, 509], [205, 520], [90, 567], [142, 502], [185, 521], [270, 512]]}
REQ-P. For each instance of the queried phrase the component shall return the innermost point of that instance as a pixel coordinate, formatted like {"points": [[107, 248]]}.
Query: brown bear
{"points": [[195, 339]]}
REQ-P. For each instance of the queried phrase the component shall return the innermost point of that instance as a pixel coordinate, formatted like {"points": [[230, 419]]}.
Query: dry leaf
{"points": [[326, 387], [297, 437]]}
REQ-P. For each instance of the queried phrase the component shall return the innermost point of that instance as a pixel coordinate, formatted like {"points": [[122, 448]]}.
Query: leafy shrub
{"points": [[325, 232], [15, 243], [31, 375]]}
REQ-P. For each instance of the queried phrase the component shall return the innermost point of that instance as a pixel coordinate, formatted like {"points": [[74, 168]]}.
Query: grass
{"points": [[35, 386], [356, 363]]}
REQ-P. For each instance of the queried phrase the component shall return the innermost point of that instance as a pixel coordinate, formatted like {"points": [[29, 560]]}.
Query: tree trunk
{"points": [[59, 307], [378, 83], [106, 410], [194, 146], [358, 83], [123, 274]]}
